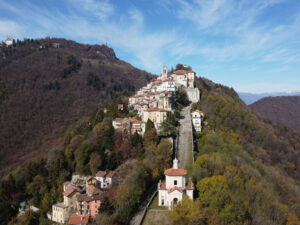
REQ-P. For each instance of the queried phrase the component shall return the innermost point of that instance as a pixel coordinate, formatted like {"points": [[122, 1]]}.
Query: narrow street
{"points": [[185, 153]]}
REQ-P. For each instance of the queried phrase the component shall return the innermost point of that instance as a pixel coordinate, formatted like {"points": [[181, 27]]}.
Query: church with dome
{"points": [[175, 187]]}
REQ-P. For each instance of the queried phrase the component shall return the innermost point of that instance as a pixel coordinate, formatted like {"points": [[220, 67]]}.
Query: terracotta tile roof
{"points": [[156, 109], [86, 198], [199, 111], [168, 80], [190, 186], [101, 173], [180, 72], [174, 188], [70, 190], [175, 172], [78, 220], [89, 178], [163, 186], [139, 122], [92, 190]]}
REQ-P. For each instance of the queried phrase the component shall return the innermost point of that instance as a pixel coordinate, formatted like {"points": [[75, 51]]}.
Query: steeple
{"points": [[175, 163], [164, 74]]}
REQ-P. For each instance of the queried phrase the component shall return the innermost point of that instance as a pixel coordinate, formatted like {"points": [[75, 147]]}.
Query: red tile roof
{"points": [[169, 79], [162, 186], [92, 190], [139, 122], [69, 191], [156, 109], [190, 186], [101, 173], [89, 178], [175, 172], [182, 72], [174, 188], [199, 111], [86, 198], [78, 220]]}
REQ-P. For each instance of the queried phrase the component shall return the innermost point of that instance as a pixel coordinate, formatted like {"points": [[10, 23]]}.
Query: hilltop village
{"points": [[156, 99], [83, 195]]}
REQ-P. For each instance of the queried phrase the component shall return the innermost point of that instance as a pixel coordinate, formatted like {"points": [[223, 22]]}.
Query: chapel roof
{"points": [[175, 172]]}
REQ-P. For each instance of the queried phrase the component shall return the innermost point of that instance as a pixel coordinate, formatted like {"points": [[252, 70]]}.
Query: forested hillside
{"points": [[90, 146], [284, 110], [48, 85], [246, 170]]}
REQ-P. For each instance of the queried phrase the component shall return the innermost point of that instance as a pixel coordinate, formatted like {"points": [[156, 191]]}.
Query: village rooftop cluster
{"points": [[157, 98]]}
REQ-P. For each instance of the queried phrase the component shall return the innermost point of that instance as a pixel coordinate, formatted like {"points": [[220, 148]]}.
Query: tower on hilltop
{"points": [[164, 73]]}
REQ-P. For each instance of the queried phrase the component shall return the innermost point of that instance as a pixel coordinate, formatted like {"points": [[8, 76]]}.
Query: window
{"points": [[175, 182]]}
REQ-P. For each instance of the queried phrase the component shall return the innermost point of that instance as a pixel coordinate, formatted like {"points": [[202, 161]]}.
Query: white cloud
{"points": [[222, 30], [103, 9], [10, 28]]}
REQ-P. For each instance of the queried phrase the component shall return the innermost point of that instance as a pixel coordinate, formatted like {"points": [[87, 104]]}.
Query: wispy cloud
{"points": [[207, 33]]}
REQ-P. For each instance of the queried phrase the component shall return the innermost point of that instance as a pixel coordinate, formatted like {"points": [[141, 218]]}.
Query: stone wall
{"points": [[193, 94]]}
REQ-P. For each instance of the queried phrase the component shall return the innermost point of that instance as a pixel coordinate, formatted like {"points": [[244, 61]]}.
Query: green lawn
{"points": [[157, 217], [189, 165], [154, 204]]}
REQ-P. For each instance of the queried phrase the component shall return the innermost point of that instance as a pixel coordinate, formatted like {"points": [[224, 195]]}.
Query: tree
{"points": [[188, 212], [149, 125], [181, 98], [95, 162], [106, 206], [136, 140], [168, 127], [98, 117], [214, 192]]}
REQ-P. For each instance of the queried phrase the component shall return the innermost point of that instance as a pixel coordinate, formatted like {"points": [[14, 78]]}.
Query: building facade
{"points": [[175, 187], [60, 213], [197, 118]]}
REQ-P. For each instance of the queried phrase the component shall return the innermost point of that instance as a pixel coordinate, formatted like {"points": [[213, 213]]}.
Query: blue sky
{"points": [[250, 45]]}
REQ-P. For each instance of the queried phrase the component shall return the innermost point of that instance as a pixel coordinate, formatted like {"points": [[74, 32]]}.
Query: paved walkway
{"points": [[139, 216], [185, 153]]}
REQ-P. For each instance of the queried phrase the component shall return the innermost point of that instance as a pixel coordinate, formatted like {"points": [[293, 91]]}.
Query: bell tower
{"points": [[164, 73]]}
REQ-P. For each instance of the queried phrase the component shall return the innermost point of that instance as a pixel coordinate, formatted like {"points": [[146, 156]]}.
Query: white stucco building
{"points": [[175, 187], [184, 78], [9, 41], [197, 117], [167, 85], [105, 178]]}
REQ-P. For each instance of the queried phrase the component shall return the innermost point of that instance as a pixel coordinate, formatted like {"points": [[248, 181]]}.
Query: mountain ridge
{"points": [[250, 98], [284, 110], [42, 83]]}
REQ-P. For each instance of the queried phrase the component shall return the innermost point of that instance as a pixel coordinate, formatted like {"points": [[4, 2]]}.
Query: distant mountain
{"points": [[284, 110], [48, 85], [250, 98]]}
